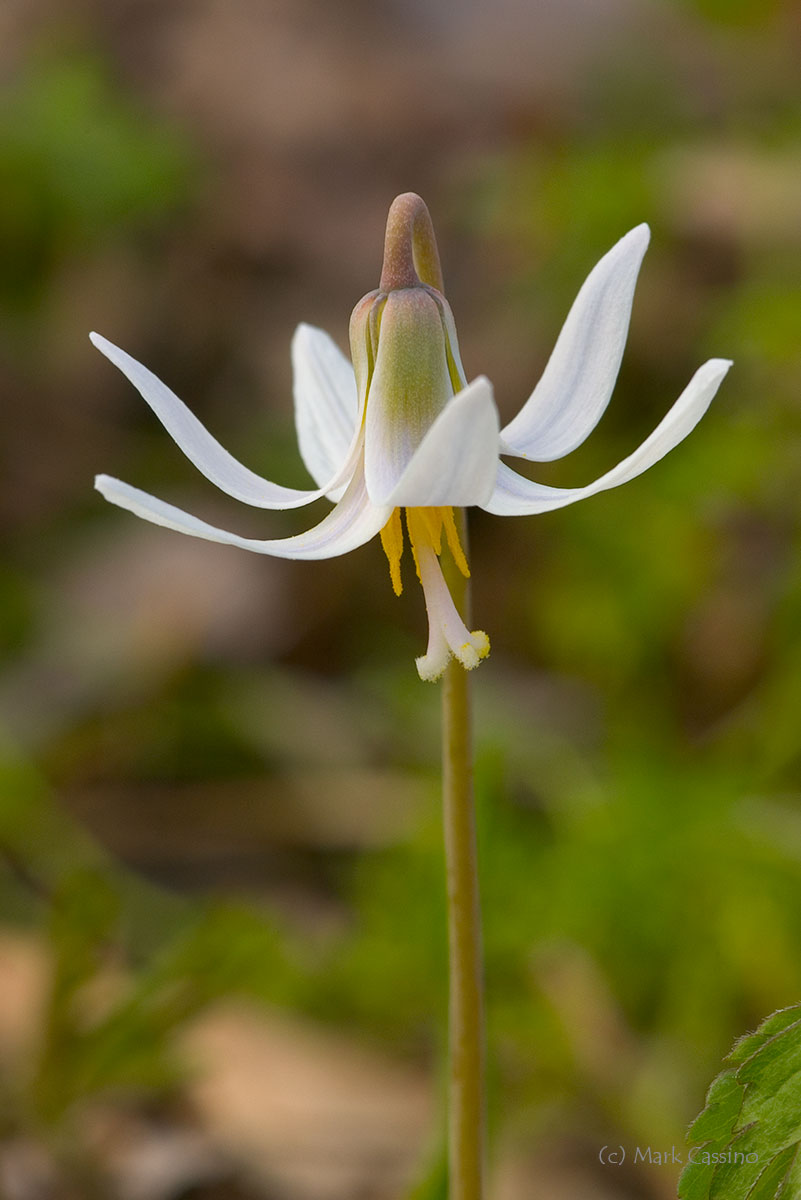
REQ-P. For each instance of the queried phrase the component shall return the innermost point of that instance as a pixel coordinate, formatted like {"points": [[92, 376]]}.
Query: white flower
{"points": [[402, 428]]}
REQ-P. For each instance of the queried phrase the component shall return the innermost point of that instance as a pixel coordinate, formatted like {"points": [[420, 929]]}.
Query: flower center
{"points": [[448, 634], [426, 527]]}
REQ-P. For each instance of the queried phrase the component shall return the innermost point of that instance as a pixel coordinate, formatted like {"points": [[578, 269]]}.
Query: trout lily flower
{"points": [[400, 427]]}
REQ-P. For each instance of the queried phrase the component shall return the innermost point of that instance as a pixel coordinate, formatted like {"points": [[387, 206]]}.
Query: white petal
{"points": [[326, 403], [516, 496], [352, 523], [572, 395], [202, 449], [457, 460]]}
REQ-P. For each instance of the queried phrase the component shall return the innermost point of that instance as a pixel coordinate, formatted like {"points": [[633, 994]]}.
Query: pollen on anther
{"points": [[392, 542], [454, 545]]}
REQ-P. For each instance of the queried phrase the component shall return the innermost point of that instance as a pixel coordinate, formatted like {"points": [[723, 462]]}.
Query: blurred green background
{"points": [[222, 967]]}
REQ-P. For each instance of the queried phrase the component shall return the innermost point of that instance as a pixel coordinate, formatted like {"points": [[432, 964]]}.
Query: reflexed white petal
{"points": [[202, 449], [352, 523], [572, 395], [455, 463], [516, 496], [326, 403]]}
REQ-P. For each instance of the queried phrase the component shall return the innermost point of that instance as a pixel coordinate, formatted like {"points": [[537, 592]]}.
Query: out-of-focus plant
{"points": [[79, 162], [114, 1001]]}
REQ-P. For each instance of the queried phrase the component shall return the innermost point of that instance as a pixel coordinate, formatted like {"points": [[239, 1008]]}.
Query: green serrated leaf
{"points": [[771, 1067], [749, 1043], [696, 1180], [768, 1184], [745, 1142], [723, 1103], [736, 1175], [791, 1188]]}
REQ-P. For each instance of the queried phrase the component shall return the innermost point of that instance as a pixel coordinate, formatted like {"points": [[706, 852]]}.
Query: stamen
{"points": [[392, 541], [415, 532], [434, 521], [454, 545]]}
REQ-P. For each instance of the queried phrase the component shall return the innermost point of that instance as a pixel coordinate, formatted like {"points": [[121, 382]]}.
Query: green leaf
{"points": [[723, 1103], [751, 1042], [773, 1175], [745, 1142]]}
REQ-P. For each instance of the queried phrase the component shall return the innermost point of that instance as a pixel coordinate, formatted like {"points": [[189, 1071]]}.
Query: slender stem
{"points": [[466, 1125]]}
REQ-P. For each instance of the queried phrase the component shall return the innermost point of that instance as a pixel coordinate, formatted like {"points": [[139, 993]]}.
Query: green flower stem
{"points": [[466, 1119]]}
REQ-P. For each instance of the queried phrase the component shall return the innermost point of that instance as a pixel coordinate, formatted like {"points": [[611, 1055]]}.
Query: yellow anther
{"points": [[432, 520], [392, 541], [426, 526], [417, 527], [452, 537]]}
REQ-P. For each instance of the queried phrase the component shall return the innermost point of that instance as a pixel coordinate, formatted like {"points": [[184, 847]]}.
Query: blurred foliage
{"points": [[738, 13], [115, 1000], [78, 159]]}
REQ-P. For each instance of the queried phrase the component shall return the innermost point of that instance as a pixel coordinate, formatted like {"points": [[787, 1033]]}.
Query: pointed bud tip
{"points": [[407, 200], [411, 257]]}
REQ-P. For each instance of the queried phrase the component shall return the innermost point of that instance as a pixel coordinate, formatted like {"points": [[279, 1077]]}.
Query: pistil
{"points": [[448, 634]]}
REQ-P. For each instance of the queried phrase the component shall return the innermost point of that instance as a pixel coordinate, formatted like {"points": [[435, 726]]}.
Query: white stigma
{"points": [[447, 633]]}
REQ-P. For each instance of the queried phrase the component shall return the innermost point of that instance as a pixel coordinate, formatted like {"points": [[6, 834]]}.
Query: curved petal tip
{"points": [[640, 233]]}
